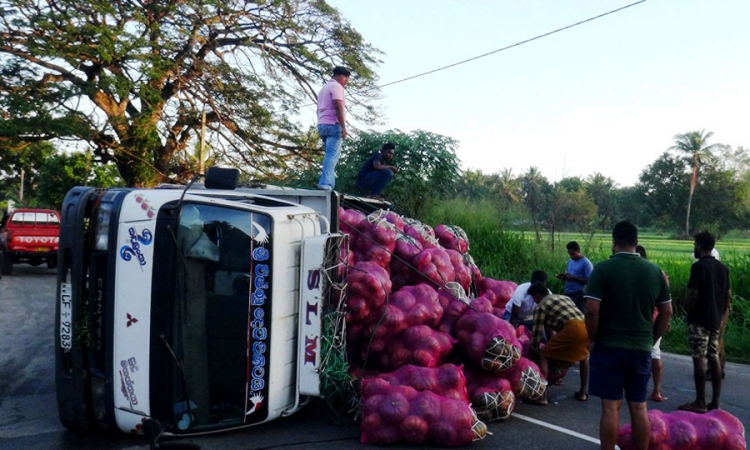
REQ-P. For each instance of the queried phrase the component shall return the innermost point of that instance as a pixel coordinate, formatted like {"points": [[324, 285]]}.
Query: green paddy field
{"points": [[513, 255]]}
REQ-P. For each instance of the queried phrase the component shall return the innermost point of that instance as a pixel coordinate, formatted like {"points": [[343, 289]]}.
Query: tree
{"points": [[536, 189], [570, 184], [571, 210], [131, 79], [662, 186], [695, 144], [510, 187], [27, 160], [474, 185], [602, 192], [630, 205], [428, 169], [720, 202], [59, 173]]}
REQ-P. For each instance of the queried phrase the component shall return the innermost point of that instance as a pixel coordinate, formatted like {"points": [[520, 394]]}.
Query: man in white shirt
{"points": [[520, 307]]}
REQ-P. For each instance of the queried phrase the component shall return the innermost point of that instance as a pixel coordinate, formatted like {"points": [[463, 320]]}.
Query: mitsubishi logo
{"points": [[131, 320]]}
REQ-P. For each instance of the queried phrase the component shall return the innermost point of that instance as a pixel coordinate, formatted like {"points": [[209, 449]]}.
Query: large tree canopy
{"points": [[132, 78]]}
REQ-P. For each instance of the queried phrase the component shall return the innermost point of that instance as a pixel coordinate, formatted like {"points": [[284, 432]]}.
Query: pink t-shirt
{"points": [[333, 90]]}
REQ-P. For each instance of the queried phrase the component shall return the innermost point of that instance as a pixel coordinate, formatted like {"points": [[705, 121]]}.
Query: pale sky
{"points": [[606, 96]]}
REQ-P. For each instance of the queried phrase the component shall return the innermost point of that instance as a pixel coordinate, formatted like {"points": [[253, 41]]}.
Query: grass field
{"points": [[658, 246], [514, 255]]}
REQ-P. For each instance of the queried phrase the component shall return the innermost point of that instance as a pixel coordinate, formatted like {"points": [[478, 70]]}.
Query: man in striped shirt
{"points": [[568, 345]]}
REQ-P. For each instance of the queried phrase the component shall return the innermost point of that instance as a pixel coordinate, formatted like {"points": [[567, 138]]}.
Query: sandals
{"points": [[658, 397], [691, 407], [581, 396]]}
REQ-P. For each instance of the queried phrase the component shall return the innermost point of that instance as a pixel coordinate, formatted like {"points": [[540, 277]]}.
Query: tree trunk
{"points": [[687, 217], [693, 182]]}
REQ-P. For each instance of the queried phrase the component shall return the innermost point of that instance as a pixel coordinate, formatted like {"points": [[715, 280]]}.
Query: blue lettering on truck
{"points": [[126, 382], [134, 249], [259, 331]]}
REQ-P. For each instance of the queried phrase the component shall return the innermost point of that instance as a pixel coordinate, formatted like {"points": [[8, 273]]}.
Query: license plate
{"points": [[41, 249], [66, 316]]}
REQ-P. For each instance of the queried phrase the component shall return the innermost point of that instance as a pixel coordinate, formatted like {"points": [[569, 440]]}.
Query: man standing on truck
{"points": [[332, 124], [375, 173]]}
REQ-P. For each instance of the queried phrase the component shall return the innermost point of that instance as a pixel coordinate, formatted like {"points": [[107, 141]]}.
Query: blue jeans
{"points": [[331, 136], [375, 181]]}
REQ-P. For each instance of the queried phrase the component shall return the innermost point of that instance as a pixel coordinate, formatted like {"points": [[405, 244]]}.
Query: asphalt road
{"points": [[28, 415]]}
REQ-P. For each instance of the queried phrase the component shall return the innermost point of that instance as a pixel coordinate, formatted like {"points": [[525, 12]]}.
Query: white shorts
{"points": [[656, 351]]}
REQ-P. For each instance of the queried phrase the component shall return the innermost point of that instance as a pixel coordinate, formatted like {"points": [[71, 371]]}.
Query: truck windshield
{"points": [[211, 305]]}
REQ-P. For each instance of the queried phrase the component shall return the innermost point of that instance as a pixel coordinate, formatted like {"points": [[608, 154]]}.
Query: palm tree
{"points": [[510, 186], [693, 143], [473, 185]]}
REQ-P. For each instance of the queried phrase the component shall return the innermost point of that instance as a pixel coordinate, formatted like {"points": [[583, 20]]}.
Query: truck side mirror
{"points": [[222, 178]]}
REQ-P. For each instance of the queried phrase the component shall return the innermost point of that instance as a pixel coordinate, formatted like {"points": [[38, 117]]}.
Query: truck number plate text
{"points": [[66, 316]]}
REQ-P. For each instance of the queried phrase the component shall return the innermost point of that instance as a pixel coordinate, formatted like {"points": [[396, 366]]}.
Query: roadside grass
{"points": [[737, 334], [676, 339], [514, 255], [498, 254], [736, 338]]}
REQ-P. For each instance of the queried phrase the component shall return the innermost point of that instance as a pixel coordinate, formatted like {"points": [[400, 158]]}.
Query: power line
{"points": [[512, 45]]}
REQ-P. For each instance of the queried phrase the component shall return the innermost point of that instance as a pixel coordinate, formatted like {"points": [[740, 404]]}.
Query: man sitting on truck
{"points": [[375, 173]]}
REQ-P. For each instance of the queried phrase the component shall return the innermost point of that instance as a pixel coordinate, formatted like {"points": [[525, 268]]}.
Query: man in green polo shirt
{"points": [[620, 298]]}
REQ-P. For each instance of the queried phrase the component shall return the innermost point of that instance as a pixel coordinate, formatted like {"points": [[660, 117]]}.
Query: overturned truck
{"points": [[196, 307], [192, 309]]}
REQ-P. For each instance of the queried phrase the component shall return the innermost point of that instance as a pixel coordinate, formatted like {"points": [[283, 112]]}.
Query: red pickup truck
{"points": [[29, 236]]}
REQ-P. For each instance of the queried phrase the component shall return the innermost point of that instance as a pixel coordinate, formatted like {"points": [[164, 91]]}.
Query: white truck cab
{"points": [[195, 307]]}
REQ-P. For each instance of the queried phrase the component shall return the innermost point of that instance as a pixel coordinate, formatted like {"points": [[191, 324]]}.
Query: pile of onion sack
{"points": [[683, 430], [425, 334]]}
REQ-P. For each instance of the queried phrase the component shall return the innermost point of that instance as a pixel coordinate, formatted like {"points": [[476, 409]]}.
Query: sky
{"points": [[607, 96]]}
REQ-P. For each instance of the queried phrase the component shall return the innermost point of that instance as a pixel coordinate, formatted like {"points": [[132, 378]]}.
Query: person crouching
{"points": [[568, 345]]}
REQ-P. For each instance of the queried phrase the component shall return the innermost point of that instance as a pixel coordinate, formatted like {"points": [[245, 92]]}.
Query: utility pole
{"points": [[201, 154], [20, 196]]}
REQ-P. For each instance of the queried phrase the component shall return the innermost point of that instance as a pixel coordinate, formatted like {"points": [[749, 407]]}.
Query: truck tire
{"points": [[6, 265]]}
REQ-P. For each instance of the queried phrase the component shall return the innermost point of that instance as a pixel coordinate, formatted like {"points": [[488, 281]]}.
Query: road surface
{"points": [[28, 415]]}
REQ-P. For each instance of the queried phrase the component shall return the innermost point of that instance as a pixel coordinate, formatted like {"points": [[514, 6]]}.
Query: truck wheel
{"points": [[52, 263], [6, 267]]}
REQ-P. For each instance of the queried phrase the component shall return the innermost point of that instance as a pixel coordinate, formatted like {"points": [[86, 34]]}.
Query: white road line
{"points": [[560, 429]]}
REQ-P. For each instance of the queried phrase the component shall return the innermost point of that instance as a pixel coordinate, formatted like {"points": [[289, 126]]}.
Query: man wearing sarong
{"points": [[568, 340]]}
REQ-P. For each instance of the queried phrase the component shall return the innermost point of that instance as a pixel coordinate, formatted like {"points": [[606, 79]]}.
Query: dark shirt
{"points": [[710, 278], [369, 166], [628, 287]]}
